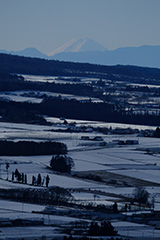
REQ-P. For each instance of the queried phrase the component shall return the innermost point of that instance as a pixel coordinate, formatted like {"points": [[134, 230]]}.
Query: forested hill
{"points": [[35, 66]]}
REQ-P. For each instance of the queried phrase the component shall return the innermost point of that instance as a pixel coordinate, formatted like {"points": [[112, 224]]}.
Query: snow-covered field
{"points": [[34, 97], [100, 124], [141, 231], [125, 161]]}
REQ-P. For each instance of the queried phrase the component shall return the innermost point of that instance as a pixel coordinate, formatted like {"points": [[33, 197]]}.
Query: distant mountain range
{"points": [[89, 51], [27, 52]]}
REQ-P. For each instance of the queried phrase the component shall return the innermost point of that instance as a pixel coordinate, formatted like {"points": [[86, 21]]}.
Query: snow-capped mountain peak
{"points": [[78, 45]]}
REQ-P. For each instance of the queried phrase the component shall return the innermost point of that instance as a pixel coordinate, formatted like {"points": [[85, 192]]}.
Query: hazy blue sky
{"points": [[48, 24]]}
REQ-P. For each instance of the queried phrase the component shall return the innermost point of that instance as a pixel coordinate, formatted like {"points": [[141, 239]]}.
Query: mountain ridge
{"points": [[145, 56], [88, 51], [27, 52]]}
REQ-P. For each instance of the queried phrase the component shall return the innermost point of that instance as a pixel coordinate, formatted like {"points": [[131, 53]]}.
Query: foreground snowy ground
{"points": [[130, 162]]}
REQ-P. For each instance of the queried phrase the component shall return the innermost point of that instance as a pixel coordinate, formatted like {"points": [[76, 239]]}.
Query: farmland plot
{"points": [[119, 168]]}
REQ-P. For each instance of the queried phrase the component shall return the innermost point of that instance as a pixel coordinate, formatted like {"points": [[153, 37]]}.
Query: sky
{"points": [[48, 24]]}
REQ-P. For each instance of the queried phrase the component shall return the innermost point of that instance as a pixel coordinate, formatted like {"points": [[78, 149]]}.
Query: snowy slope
{"points": [[79, 45]]}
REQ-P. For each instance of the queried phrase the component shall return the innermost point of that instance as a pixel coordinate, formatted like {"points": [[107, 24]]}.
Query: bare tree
{"points": [[140, 194]]}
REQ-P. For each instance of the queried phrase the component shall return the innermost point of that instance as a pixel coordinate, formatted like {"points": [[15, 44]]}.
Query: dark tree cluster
{"points": [[105, 229], [157, 133], [20, 177], [62, 163], [141, 195], [76, 109], [4, 77], [39, 181], [28, 148], [18, 112]]}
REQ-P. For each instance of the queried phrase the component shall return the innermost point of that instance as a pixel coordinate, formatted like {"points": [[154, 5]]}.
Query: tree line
{"points": [[14, 82], [50, 195], [22, 178], [73, 109], [28, 148], [36, 66]]}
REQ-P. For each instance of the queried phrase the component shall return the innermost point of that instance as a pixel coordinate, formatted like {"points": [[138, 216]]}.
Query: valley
{"points": [[111, 160], [79, 120]]}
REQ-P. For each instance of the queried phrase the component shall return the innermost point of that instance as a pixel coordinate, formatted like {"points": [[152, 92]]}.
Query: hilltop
{"points": [[37, 66]]}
